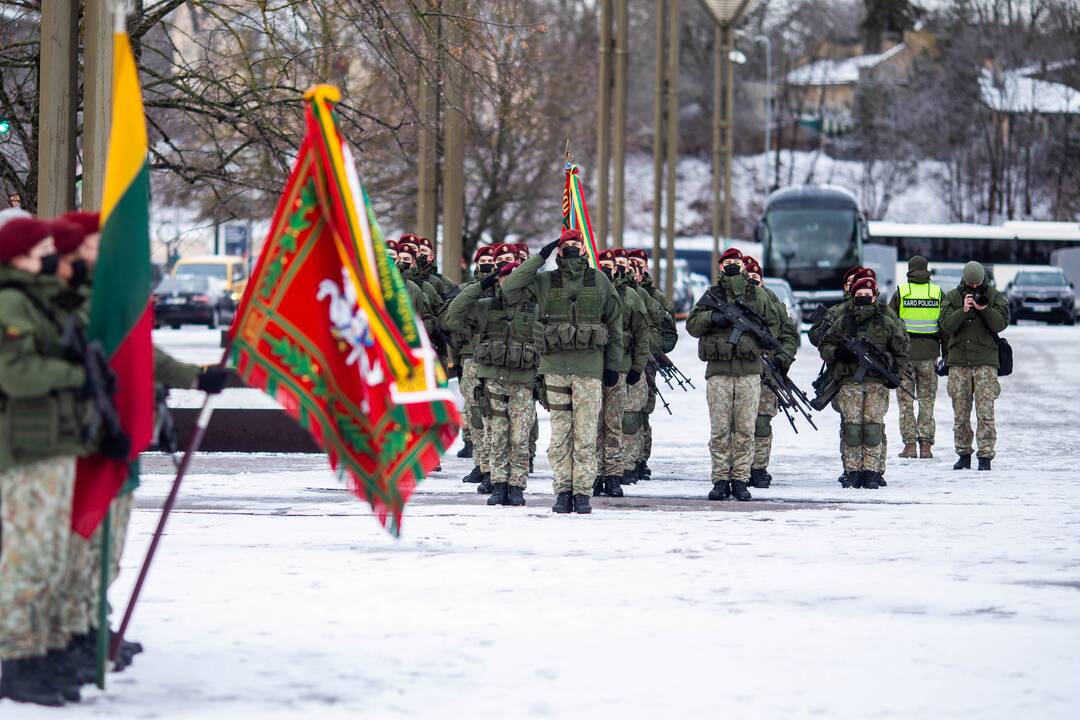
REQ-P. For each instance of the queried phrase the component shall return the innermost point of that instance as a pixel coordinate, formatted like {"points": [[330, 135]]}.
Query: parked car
{"points": [[783, 291], [231, 270], [1042, 295], [192, 299]]}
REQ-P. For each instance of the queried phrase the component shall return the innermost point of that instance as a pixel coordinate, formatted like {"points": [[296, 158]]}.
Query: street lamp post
{"points": [[767, 42]]}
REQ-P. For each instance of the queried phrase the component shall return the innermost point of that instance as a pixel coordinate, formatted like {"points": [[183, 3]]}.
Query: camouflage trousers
{"points": [[512, 417], [634, 419], [978, 387], [863, 407], [466, 400], [574, 402], [733, 408], [474, 413], [609, 436], [534, 431], [768, 407], [926, 385], [35, 523]]}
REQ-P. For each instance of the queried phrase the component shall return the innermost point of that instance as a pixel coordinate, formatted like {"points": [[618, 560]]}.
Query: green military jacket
{"points": [[503, 334], [41, 414], [636, 330], [789, 334], [655, 313], [580, 329], [443, 285], [669, 331], [722, 357], [970, 341], [875, 322], [464, 340]]}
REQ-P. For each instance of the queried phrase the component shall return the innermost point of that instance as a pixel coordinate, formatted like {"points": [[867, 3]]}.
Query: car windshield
{"points": [[1051, 279], [811, 239], [182, 283], [215, 270]]}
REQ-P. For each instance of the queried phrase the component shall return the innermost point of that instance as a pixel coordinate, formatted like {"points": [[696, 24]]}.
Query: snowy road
{"points": [[943, 595]]}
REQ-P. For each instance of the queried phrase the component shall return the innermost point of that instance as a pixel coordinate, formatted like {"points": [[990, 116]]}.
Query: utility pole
{"points": [[622, 40], [729, 126], [57, 96], [97, 99], [672, 88], [453, 145], [603, 121], [427, 185], [658, 138], [719, 50]]}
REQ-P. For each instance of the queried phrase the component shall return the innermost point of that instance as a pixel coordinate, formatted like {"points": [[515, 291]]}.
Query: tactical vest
{"points": [[920, 307], [507, 338], [715, 346], [572, 319]]}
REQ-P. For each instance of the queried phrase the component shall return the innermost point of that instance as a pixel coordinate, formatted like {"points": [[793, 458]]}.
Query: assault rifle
{"points": [[101, 420], [669, 372], [788, 395], [871, 358], [652, 386], [745, 319]]}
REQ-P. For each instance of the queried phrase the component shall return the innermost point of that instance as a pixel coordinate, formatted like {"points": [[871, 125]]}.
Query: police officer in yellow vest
{"points": [[918, 303]]}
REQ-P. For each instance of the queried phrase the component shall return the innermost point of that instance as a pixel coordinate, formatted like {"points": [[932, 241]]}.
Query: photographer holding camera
{"points": [[972, 315]]}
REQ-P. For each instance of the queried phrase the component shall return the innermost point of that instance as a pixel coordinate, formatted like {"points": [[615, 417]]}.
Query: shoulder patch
{"points": [[13, 332]]}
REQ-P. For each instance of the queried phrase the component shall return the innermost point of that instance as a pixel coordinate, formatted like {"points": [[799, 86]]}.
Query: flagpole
{"points": [[193, 445], [103, 599]]}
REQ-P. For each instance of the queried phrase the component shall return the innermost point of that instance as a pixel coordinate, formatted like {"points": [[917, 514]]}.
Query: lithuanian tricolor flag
{"points": [[121, 316], [576, 212]]}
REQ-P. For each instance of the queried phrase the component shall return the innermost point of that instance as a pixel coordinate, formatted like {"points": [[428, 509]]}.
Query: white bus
{"points": [[1004, 249]]}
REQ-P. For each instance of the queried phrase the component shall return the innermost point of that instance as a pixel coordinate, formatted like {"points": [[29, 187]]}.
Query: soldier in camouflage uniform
{"points": [[426, 267], [733, 375], [484, 261], [506, 356], [972, 315], [615, 458], [918, 305], [863, 404], [635, 417], [534, 433], [42, 422], [769, 404], [579, 337], [668, 338]]}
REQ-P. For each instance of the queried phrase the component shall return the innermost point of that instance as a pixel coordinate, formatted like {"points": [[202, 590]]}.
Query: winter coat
{"points": [[875, 322], [503, 335], [723, 358], [969, 340], [636, 329]]}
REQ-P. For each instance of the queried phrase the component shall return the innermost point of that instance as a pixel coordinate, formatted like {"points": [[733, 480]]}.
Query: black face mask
{"points": [[502, 264], [50, 264], [404, 267], [620, 271], [864, 300], [732, 270], [485, 269], [753, 281], [571, 252], [79, 272], [422, 262], [610, 272]]}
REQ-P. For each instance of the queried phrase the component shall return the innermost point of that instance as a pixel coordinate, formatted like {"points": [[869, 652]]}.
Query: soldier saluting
{"points": [[733, 372], [579, 338], [864, 397]]}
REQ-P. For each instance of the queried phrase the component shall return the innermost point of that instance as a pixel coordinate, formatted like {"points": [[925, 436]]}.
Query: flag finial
{"points": [[569, 153]]}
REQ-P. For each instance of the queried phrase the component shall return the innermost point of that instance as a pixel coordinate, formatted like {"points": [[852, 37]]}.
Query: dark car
{"points": [[190, 299], [1042, 295]]}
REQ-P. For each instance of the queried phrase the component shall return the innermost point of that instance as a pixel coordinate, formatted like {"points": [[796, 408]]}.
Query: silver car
{"points": [[783, 291]]}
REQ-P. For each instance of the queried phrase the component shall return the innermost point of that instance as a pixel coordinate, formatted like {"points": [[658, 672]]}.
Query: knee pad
{"points": [[873, 434], [476, 417], [631, 422], [853, 434], [763, 426]]}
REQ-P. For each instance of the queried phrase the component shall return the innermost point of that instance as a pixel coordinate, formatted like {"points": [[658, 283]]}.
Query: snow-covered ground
{"points": [[944, 595]]}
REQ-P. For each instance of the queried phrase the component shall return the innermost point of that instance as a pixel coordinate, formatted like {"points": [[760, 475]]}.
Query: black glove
{"points": [[545, 252], [719, 319], [633, 377], [611, 378], [115, 447], [212, 380], [489, 281], [843, 354]]}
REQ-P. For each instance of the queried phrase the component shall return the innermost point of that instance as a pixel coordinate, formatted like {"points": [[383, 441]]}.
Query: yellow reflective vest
{"points": [[920, 306]]}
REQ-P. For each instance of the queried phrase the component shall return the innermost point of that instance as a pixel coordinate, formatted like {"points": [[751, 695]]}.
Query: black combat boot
{"points": [[599, 486], [484, 488], [516, 496], [871, 480], [531, 471], [845, 479], [964, 463], [614, 485], [500, 494], [720, 491], [20, 682], [759, 478], [82, 669], [630, 476], [643, 471], [581, 505], [56, 670], [563, 503], [475, 475], [739, 491], [466, 450], [984, 463]]}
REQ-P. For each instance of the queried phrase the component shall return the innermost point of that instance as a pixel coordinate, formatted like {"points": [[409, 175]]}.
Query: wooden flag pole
{"points": [[193, 445]]}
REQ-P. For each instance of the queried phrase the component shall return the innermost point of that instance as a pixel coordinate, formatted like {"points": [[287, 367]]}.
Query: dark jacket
{"points": [[721, 356], [875, 322], [969, 336]]}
